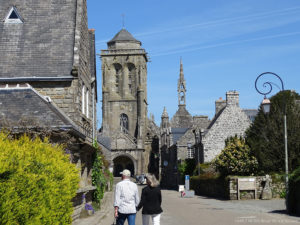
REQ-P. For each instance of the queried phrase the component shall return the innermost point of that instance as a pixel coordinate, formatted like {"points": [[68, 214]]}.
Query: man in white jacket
{"points": [[126, 199]]}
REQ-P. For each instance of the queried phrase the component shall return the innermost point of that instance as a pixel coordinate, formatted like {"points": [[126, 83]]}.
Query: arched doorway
{"points": [[121, 163]]}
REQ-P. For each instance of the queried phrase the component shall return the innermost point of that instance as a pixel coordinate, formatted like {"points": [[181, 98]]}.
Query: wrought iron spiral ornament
{"points": [[268, 85]]}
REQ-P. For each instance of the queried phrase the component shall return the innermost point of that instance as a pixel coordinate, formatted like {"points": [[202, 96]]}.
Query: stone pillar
{"points": [[267, 192]]}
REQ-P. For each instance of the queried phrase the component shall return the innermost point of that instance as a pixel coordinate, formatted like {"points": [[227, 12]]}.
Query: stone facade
{"points": [[49, 54], [228, 122], [186, 136], [124, 104]]}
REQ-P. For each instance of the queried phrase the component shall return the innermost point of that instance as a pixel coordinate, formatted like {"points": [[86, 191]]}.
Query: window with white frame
{"points": [[190, 151]]}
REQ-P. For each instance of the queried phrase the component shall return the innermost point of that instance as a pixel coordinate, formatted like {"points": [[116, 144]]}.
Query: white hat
{"points": [[126, 173]]}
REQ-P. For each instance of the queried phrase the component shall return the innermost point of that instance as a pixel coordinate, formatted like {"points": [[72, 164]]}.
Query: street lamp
{"points": [[198, 144], [266, 108], [266, 105]]}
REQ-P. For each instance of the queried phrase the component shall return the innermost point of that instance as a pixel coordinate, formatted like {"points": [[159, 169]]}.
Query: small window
{"points": [[13, 16], [190, 151]]}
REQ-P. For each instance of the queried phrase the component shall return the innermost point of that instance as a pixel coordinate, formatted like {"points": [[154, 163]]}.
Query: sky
{"points": [[224, 45]]}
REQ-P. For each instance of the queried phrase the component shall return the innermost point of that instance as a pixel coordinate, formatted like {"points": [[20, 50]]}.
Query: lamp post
{"points": [[198, 144], [266, 108]]}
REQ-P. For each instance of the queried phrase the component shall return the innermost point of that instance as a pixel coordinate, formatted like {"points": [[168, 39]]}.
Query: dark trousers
{"points": [[122, 217]]}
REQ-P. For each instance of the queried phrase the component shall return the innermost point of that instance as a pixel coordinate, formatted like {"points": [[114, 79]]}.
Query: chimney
{"points": [[220, 104], [232, 98]]}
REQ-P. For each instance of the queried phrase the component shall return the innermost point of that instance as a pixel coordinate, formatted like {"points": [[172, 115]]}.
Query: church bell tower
{"points": [[124, 93]]}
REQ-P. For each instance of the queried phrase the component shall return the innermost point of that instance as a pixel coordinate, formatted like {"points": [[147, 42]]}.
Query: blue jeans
{"points": [[122, 217]]}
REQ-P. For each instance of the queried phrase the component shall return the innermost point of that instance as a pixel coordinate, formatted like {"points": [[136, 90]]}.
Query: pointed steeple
{"points": [[181, 86], [165, 120], [165, 113]]}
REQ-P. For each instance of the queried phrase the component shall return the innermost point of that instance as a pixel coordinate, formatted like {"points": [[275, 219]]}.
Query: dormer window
{"points": [[13, 16]]}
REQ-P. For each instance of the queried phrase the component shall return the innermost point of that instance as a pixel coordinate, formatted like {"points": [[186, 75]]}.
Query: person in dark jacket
{"points": [[151, 201]]}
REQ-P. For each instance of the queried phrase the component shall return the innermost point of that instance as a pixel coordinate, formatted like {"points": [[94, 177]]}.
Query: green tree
{"points": [[236, 158], [266, 134], [37, 182]]}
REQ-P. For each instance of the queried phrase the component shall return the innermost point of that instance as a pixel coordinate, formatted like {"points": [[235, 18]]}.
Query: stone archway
{"points": [[123, 162]]}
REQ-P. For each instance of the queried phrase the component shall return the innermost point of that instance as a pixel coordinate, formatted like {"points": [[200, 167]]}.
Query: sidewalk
{"points": [[101, 216]]}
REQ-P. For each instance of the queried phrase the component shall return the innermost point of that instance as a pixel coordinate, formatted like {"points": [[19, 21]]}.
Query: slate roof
{"points": [[123, 35], [105, 141], [215, 119], [24, 107], [41, 46], [182, 118], [177, 133]]}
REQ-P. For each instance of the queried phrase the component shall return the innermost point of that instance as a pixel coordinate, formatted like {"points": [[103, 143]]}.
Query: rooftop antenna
{"points": [[123, 20]]}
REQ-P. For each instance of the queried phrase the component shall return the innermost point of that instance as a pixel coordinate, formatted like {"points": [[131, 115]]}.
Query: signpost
{"points": [[187, 182]]}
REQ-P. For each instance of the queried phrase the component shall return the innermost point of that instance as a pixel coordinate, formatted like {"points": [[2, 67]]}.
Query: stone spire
{"points": [[165, 124], [181, 86], [165, 113]]}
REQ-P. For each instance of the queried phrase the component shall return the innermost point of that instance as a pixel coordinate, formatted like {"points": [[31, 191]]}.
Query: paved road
{"points": [[207, 211]]}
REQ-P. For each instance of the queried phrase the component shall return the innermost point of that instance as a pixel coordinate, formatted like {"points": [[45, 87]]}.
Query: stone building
{"points": [[229, 120], [134, 139], [177, 136], [196, 137], [48, 76]]}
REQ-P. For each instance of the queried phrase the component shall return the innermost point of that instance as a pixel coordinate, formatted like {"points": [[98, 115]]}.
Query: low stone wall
{"points": [[79, 201], [233, 189], [227, 188]]}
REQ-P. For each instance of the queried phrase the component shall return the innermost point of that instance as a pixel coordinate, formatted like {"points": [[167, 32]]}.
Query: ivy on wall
{"points": [[102, 178]]}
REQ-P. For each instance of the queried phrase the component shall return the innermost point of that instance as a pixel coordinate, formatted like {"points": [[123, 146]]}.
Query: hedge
{"points": [[293, 200], [210, 185], [37, 182]]}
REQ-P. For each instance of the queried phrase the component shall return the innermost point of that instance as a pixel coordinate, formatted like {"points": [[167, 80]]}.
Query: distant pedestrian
{"points": [[126, 200], [151, 201]]}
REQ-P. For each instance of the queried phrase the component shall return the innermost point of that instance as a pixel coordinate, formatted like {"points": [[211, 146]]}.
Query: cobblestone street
{"points": [[206, 211]]}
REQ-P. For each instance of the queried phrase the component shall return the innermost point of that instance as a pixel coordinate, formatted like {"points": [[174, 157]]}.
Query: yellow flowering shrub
{"points": [[37, 182], [236, 158]]}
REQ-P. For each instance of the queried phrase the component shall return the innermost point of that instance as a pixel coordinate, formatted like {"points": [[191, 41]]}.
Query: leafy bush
{"points": [[236, 158], [205, 168], [37, 182], [293, 201], [186, 167]]}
